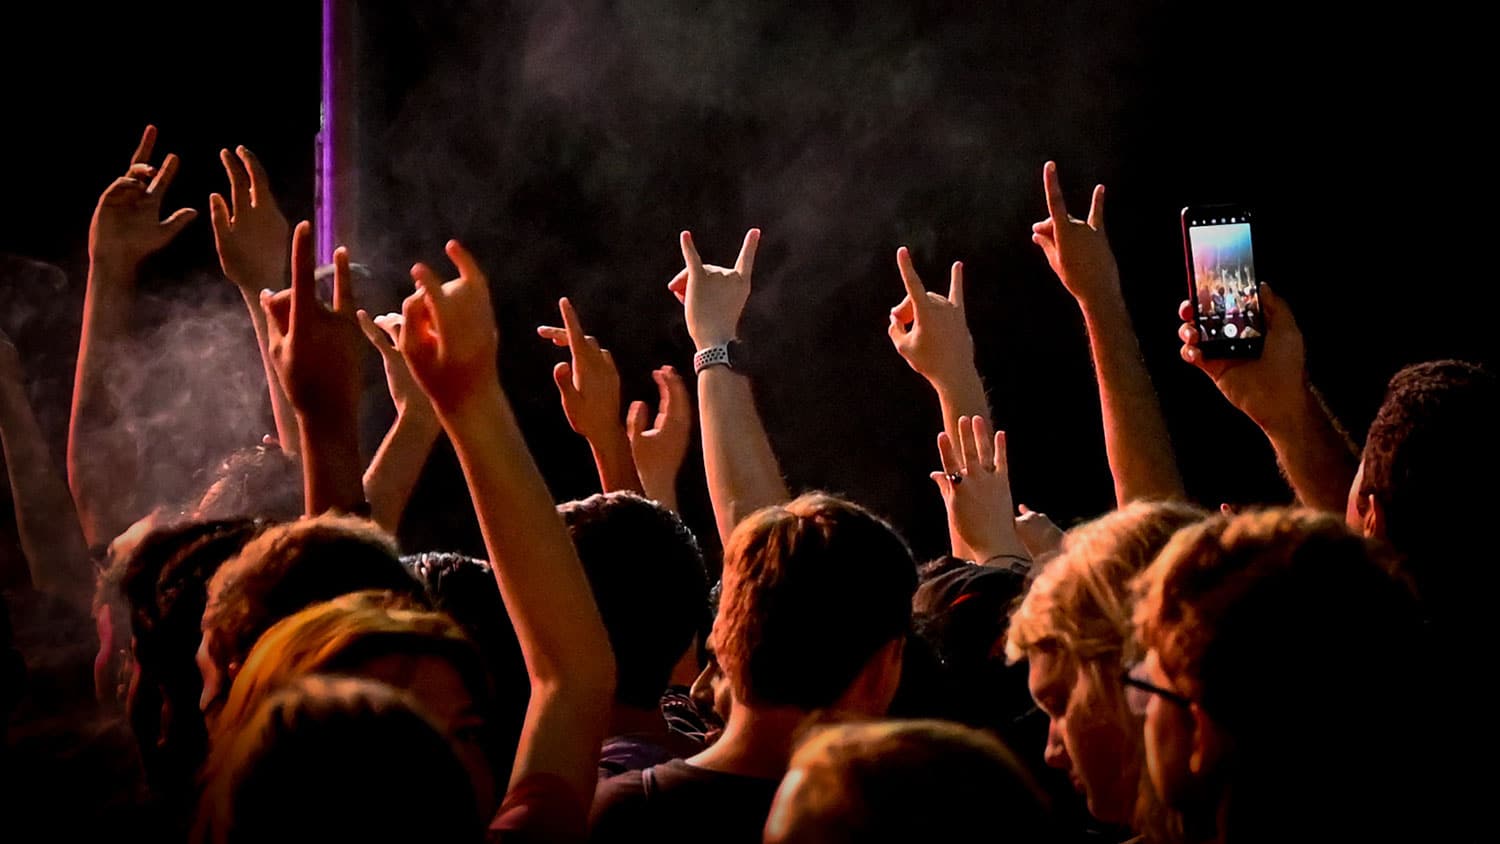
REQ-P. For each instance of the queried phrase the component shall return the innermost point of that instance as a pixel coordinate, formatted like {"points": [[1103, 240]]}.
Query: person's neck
{"points": [[632, 720], [756, 742]]}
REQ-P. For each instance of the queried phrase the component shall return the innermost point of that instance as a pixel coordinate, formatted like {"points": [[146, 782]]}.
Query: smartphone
{"points": [[1222, 285]]}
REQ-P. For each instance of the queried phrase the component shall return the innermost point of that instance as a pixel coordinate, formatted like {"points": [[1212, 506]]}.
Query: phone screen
{"points": [[1226, 295]]}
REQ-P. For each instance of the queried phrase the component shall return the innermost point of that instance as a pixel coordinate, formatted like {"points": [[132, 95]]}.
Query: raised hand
{"points": [[714, 297], [930, 331], [590, 384], [384, 333], [316, 348], [660, 449], [1038, 533], [251, 234], [127, 226], [449, 336], [1267, 388], [1078, 250], [975, 483]]}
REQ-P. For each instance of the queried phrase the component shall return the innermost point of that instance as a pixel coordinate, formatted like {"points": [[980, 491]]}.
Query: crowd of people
{"points": [[271, 666]]}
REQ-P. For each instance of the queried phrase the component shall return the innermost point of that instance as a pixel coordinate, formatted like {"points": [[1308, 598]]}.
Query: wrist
{"points": [[960, 386], [710, 337], [1103, 300], [1289, 416], [418, 416], [478, 409]]}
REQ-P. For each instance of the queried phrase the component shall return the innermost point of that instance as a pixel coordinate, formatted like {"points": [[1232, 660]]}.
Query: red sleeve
{"points": [[541, 809]]}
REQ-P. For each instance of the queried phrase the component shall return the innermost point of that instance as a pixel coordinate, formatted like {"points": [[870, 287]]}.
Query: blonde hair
{"points": [[1082, 605], [329, 637], [1081, 601]]}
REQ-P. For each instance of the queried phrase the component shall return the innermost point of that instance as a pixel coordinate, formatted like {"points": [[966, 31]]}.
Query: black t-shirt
{"points": [[678, 802]]}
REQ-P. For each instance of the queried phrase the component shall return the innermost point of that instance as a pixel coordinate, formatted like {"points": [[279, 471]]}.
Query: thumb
{"points": [[1024, 509], [1276, 310], [173, 225], [944, 485], [635, 420]]}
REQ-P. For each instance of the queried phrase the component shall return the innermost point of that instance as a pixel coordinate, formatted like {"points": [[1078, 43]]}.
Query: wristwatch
{"points": [[728, 355]]}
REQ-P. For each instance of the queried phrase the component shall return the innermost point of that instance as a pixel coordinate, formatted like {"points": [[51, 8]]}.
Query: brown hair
{"points": [[812, 589]]}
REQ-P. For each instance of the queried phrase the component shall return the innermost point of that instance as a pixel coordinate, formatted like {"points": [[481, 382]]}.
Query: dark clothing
{"points": [[678, 802], [637, 751]]}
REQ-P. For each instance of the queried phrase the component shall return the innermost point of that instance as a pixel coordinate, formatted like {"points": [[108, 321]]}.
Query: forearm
{"points": [[660, 488], [1136, 442], [46, 519], [332, 472], [614, 462], [101, 460], [397, 466], [545, 592], [1315, 454], [741, 467], [285, 417], [961, 395]]}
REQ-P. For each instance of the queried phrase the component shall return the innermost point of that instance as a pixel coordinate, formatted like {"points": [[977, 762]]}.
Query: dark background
{"points": [[568, 143]]}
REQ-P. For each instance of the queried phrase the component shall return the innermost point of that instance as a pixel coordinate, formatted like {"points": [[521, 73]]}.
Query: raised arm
{"points": [[51, 539], [126, 229], [450, 342], [737, 458], [1316, 456], [931, 333], [317, 351], [252, 236], [660, 449], [397, 464], [1135, 434], [589, 386]]}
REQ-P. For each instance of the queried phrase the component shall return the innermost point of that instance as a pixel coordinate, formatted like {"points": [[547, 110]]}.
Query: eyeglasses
{"points": [[1138, 691]]}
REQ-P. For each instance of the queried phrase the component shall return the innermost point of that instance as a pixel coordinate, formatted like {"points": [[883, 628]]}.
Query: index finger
{"points": [[1057, 209], [304, 268], [690, 254], [745, 264], [239, 182], [914, 289], [143, 149], [956, 285], [573, 324], [343, 282], [260, 181]]}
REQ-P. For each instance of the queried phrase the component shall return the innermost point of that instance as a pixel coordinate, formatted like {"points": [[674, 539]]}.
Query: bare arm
{"points": [[51, 538], [126, 229], [589, 386], [1135, 433], [317, 351], [1316, 456], [397, 465], [252, 236], [450, 342], [931, 333], [737, 457]]}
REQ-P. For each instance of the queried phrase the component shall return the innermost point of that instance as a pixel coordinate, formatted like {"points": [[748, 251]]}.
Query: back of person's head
{"points": [[813, 591], [1298, 645], [167, 587], [1430, 460], [649, 581], [257, 482], [336, 636], [338, 759], [1074, 626], [464, 588], [287, 568], [1081, 601], [906, 781]]}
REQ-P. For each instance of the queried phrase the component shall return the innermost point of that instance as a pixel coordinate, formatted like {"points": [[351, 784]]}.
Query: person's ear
{"points": [[1374, 517], [1208, 743]]}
